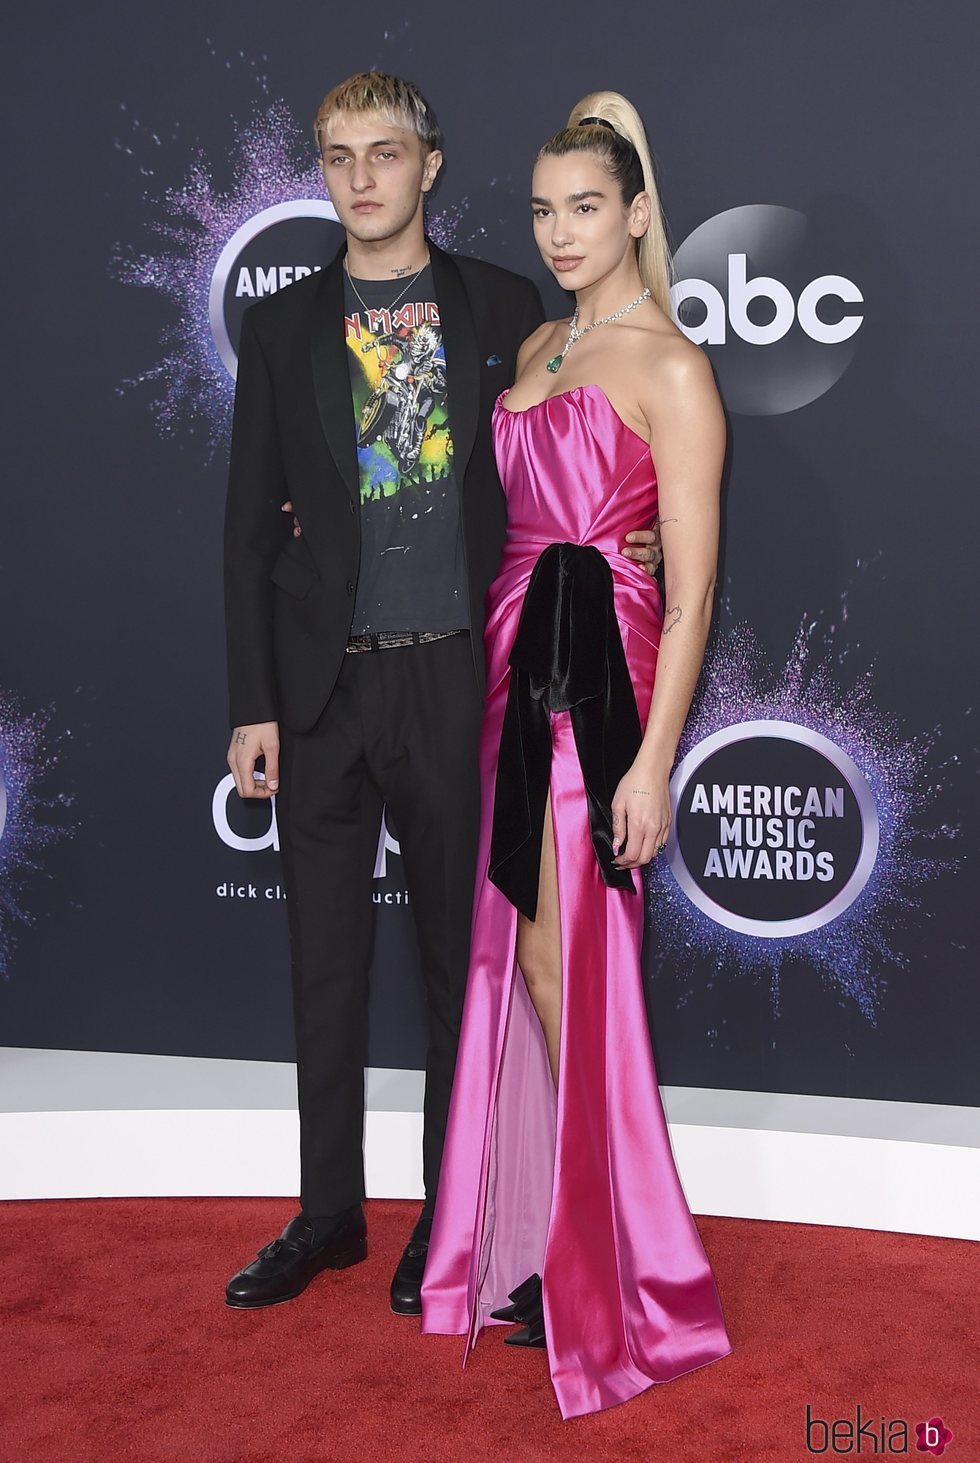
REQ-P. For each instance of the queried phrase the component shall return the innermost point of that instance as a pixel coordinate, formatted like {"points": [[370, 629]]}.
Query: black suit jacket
{"points": [[289, 602]]}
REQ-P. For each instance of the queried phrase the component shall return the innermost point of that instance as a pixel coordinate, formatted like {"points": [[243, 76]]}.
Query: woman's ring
{"points": [[661, 847]]}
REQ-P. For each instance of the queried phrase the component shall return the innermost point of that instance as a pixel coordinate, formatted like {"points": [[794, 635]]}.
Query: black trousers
{"points": [[401, 728]]}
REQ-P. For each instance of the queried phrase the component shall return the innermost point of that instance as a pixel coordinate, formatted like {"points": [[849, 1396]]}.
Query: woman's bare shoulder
{"points": [[668, 378], [668, 362]]}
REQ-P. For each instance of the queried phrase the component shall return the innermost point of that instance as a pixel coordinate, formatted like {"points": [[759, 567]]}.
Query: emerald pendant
{"points": [[554, 363]]}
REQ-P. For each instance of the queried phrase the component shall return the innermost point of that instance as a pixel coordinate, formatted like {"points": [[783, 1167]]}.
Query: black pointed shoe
{"points": [[283, 1269], [531, 1311], [406, 1283], [526, 1297]]}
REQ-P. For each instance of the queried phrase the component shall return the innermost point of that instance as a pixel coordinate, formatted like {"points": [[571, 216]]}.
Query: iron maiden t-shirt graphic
{"points": [[412, 575]]}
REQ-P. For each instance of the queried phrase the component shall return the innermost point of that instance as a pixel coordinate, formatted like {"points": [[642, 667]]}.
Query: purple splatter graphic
{"points": [[739, 684], [271, 161], [193, 223], [27, 827]]}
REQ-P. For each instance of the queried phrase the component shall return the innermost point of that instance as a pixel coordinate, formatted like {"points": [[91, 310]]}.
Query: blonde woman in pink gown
{"points": [[559, 1209]]}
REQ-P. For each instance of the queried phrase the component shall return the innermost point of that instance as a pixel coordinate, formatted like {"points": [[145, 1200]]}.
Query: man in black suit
{"points": [[355, 652]]}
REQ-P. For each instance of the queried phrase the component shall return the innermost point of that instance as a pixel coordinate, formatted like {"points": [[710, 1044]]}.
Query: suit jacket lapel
{"points": [[331, 373], [462, 356]]}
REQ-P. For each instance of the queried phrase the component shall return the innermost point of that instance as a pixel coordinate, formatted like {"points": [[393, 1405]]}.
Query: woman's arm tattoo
{"points": [[678, 613]]}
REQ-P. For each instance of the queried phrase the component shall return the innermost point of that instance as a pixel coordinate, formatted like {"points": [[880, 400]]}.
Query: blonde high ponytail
{"points": [[622, 144]]}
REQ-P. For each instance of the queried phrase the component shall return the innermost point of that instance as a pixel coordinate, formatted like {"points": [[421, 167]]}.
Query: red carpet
{"points": [[116, 1345]]}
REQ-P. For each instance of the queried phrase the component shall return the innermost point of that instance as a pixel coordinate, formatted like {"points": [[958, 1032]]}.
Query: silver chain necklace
{"points": [[404, 291], [575, 334]]}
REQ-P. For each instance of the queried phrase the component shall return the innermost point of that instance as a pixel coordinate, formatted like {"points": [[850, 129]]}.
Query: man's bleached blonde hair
{"points": [[398, 102]]}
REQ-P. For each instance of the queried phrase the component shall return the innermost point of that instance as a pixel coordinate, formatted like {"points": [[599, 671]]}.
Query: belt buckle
{"points": [[388, 639]]}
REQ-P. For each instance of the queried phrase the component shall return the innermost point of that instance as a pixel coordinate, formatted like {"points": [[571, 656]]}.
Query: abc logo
{"points": [[251, 827], [271, 250], [753, 290]]}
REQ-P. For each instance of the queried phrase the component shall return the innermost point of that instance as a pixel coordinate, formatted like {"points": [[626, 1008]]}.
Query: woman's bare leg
{"points": [[539, 948]]}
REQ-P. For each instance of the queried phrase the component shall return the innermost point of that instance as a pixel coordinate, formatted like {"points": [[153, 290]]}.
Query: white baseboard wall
{"points": [[872, 1179]]}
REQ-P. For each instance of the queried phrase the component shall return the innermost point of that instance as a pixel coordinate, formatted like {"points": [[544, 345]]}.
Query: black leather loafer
{"points": [[406, 1284], [283, 1269]]}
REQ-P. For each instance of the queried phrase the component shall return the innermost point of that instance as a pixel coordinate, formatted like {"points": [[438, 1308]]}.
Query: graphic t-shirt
{"points": [[412, 574]]}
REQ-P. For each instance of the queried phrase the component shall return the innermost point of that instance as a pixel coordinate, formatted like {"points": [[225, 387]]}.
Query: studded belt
{"points": [[385, 639]]}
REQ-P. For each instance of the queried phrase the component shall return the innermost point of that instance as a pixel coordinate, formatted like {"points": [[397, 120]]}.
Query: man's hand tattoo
{"points": [[678, 613], [241, 738]]}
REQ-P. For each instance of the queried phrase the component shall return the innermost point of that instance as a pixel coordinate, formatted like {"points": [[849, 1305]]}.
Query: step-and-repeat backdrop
{"points": [[810, 927]]}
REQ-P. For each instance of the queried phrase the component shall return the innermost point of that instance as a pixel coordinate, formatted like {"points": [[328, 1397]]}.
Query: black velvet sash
{"points": [[567, 656]]}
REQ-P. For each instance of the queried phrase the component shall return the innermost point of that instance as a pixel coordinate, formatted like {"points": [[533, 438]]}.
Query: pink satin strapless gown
{"points": [[580, 1185]]}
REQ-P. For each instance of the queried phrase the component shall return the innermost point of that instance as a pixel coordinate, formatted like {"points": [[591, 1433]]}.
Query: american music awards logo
{"points": [[269, 251], [775, 828], [799, 812]]}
